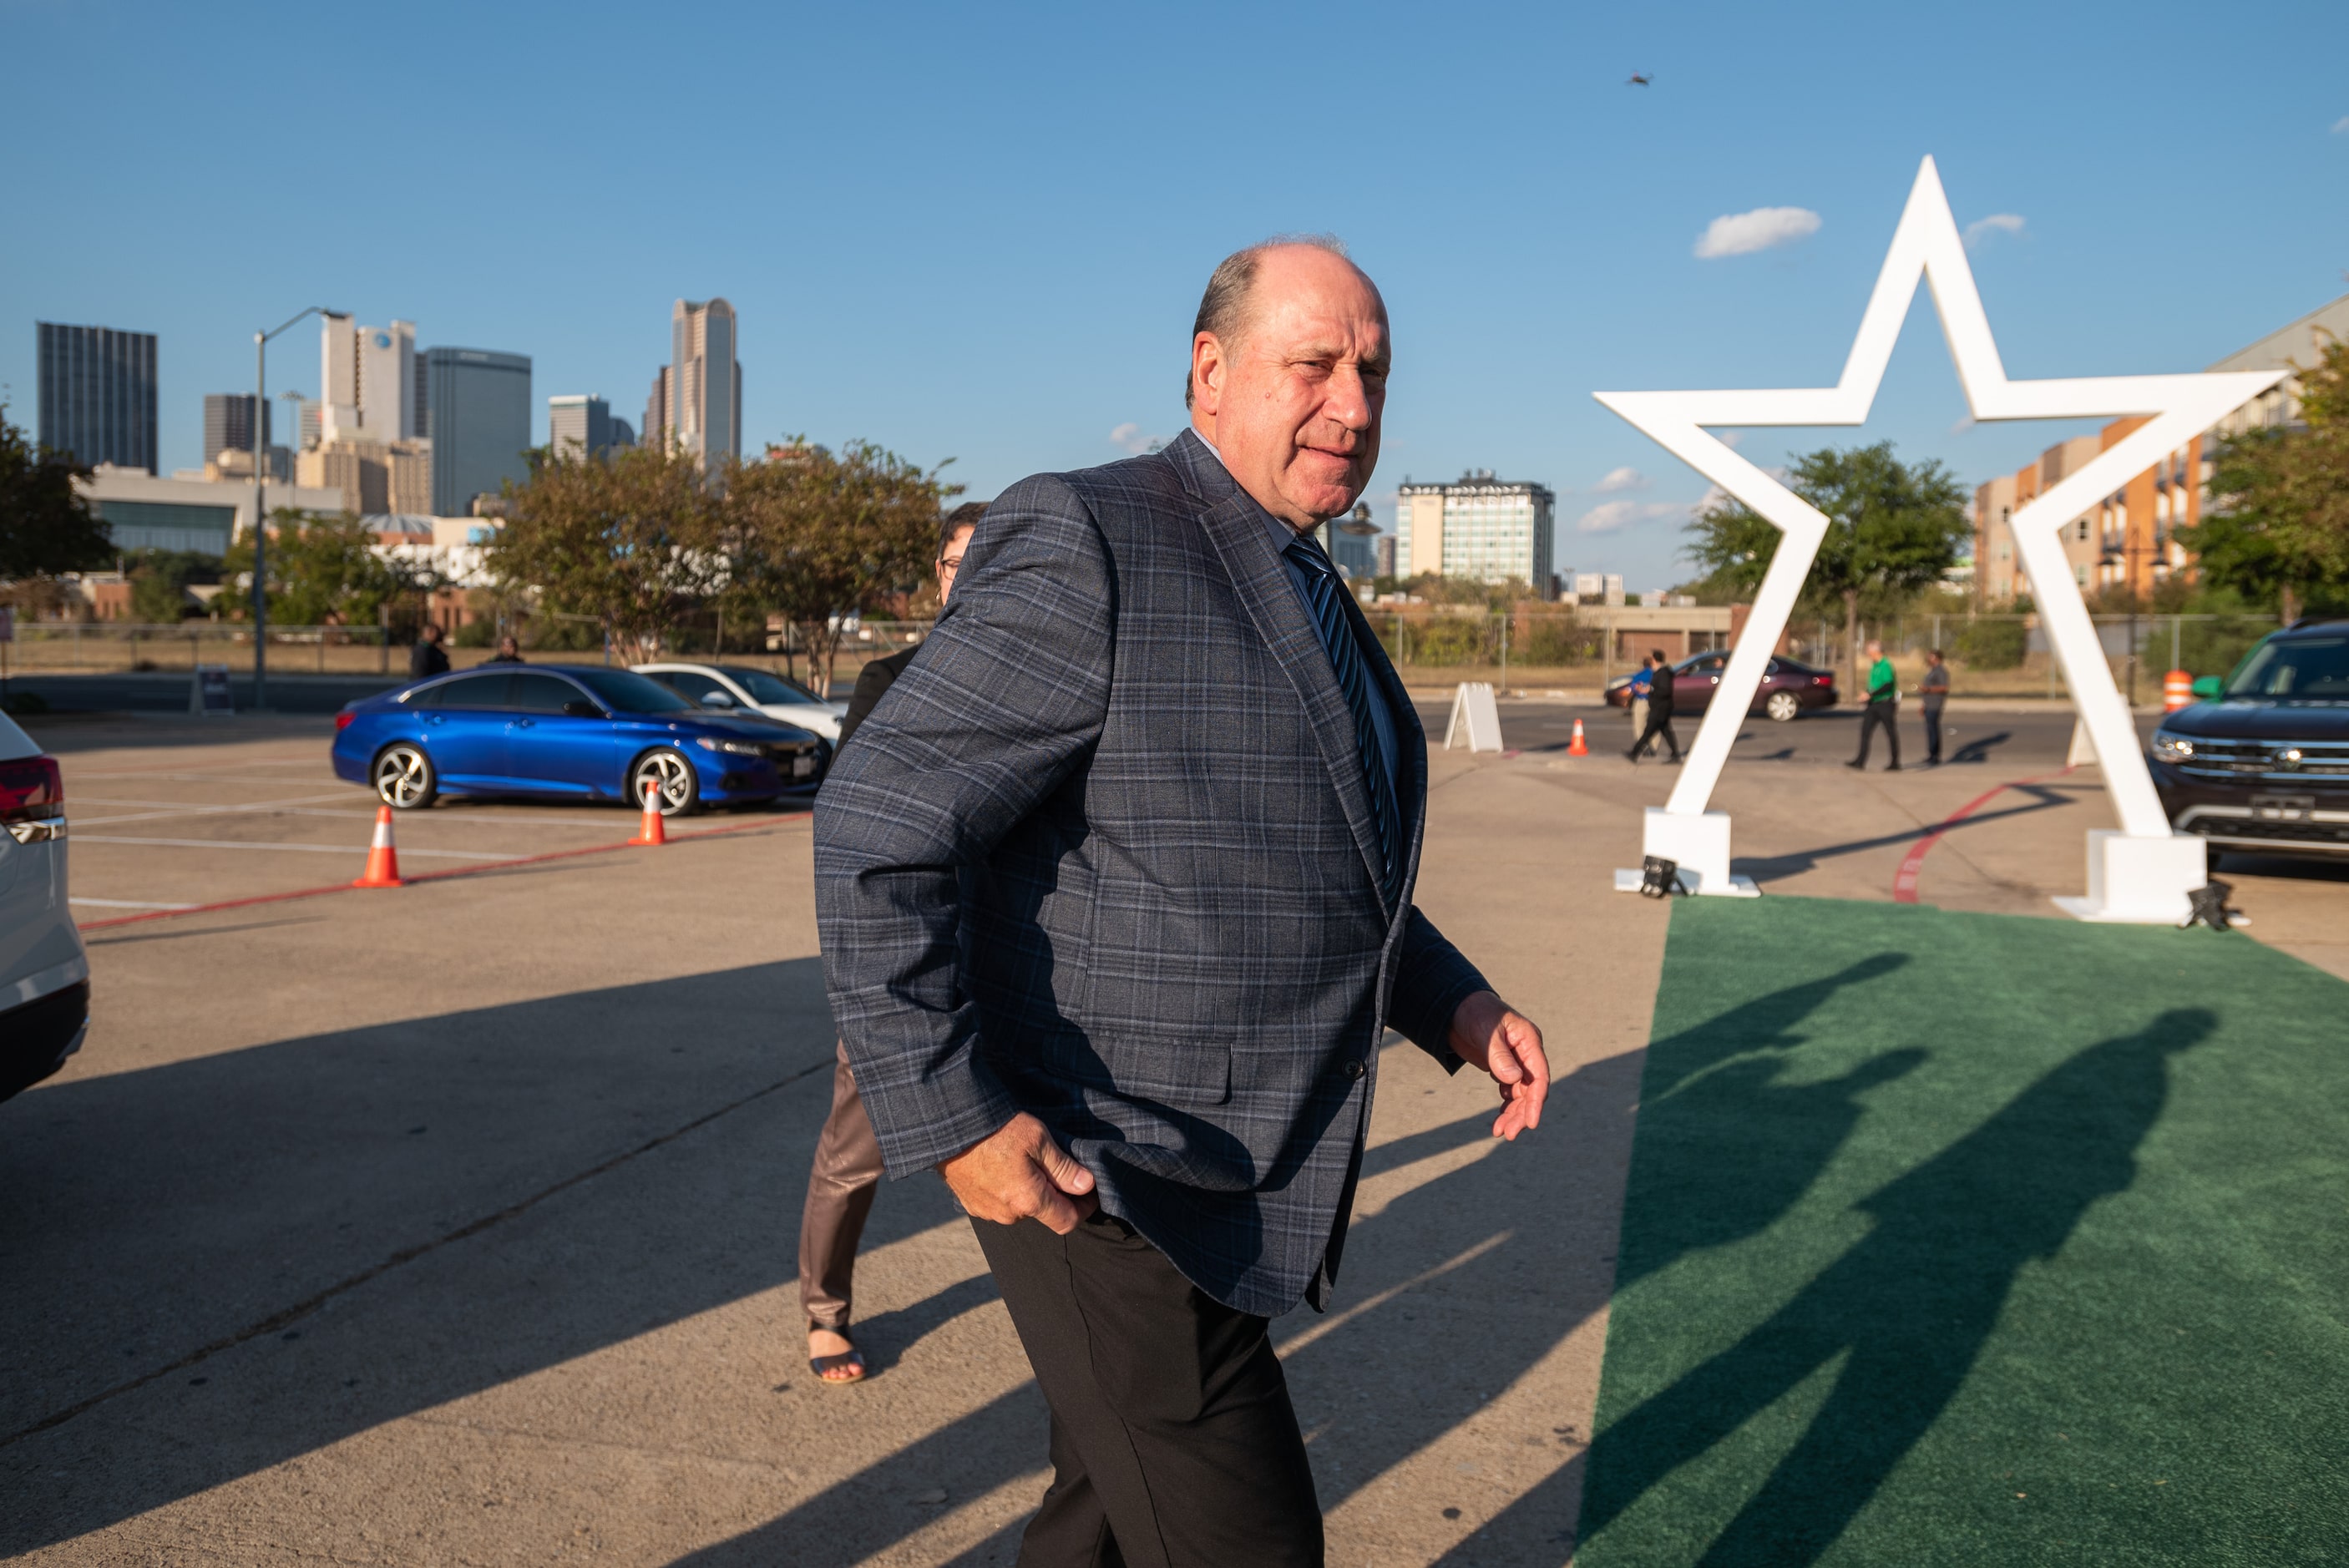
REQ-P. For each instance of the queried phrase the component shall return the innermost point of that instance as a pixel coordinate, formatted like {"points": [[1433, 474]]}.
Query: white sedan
{"points": [[44, 971], [741, 687]]}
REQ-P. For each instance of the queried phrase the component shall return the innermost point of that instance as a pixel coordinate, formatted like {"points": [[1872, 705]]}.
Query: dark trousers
{"points": [[1174, 1444], [1660, 722], [840, 1182], [1879, 716], [1932, 712]]}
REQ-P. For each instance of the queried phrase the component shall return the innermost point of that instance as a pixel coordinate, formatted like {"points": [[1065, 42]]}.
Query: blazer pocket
{"points": [[1177, 1072]]}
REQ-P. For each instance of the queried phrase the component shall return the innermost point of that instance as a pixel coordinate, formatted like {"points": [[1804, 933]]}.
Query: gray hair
{"points": [[1224, 308]]}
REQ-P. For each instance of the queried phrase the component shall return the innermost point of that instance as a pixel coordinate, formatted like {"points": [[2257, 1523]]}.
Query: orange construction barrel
{"points": [[2177, 691]]}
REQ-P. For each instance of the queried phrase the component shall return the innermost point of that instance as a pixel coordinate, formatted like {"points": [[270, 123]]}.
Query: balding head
{"points": [[1227, 307], [1288, 367]]}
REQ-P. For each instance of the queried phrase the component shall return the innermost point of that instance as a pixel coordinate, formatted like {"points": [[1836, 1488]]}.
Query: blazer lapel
{"points": [[1411, 743], [1236, 526]]}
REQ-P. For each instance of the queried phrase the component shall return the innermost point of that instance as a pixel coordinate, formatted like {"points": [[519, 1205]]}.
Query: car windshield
{"points": [[2310, 669], [624, 691], [765, 688]]}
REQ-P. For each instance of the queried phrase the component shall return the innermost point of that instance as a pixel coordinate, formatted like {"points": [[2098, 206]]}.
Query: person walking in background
{"points": [[508, 652], [1642, 681], [1931, 693], [1117, 963], [427, 658], [847, 1166], [1659, 709], [1883, 706]]}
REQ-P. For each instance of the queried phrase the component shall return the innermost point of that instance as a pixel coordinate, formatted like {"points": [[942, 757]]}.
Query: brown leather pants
{"points": [[840, 1185]]}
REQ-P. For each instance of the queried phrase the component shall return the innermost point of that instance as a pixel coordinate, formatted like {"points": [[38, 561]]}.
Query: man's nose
{"points": [[1348, 401]]}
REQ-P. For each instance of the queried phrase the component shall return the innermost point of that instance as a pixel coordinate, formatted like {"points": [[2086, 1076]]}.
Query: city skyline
{"points": [[913, 281]]}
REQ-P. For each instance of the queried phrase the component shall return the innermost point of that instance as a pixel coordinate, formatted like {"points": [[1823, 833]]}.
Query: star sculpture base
{"points": [[2140, 882], [1700, 844]]}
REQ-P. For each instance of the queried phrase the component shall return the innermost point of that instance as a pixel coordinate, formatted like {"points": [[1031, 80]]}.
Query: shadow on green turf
{"points": [[1908, 1309]]}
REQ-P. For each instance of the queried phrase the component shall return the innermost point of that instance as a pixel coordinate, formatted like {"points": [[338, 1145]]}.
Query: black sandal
{"points": [[820, 1365]]}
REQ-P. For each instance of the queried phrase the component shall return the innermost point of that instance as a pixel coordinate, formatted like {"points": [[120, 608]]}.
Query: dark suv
{"points": [[2264, 763]]}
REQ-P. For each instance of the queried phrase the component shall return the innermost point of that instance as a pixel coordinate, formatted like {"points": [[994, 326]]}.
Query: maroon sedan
{"points": [[1788, 688]]}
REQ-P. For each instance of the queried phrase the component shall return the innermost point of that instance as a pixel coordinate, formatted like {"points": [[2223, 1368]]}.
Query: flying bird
{"points": [[1640, 79]]}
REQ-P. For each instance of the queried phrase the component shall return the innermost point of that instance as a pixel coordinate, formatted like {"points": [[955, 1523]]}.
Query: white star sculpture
{"points": [[2140, 873]]}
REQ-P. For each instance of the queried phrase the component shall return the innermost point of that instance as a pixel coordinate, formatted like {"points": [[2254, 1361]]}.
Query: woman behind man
{"points": [[847, 1166]]}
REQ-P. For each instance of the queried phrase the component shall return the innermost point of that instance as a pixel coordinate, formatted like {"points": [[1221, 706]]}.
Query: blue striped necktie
{"points": [[1325, 595]]}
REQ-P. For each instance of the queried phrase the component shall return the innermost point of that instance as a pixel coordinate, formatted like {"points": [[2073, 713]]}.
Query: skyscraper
{"points": [[477, 419], [366, 381], [696, 400], [98, 394], [579, 425], [228, 423]]}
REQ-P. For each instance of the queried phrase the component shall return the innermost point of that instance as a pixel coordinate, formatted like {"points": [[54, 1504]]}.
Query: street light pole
{"points": [[260, 501]]}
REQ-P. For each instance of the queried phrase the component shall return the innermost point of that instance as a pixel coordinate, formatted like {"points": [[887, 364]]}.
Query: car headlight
{"points": [[731, 747], [2171, 747]]}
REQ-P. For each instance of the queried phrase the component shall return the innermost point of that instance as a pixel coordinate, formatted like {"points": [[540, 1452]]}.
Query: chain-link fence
{"points": [[1530, 647]]}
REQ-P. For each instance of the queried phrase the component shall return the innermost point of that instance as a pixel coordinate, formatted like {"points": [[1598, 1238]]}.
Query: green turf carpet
{"points": [[1982, 1240]]}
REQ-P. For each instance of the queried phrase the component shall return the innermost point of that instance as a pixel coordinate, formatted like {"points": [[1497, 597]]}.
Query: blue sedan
{"points": [[569, 731]]}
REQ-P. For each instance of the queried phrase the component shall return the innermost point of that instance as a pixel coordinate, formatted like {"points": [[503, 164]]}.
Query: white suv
{"points": [[44, 971]]}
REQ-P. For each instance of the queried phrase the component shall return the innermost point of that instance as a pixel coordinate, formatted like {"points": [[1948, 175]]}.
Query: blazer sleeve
{"points": [[1004, 705], [1431, 979]]}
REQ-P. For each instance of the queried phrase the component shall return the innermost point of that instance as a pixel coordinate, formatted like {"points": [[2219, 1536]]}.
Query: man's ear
{"points": [[1208, 367]]}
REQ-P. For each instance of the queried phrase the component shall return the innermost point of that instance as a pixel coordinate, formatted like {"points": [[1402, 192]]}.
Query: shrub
{"points": [[1991, 644]]}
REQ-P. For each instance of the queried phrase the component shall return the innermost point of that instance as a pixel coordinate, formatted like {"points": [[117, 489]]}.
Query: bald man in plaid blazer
{"points": [[1115, 893]]}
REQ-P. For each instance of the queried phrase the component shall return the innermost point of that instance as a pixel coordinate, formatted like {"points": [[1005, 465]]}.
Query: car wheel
{"points": [[671, 775], [404, 779], [1783, 705]]}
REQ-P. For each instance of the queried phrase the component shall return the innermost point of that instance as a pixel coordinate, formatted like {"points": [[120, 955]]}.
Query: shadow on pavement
{"points": [[462, 1200], [1769, 868]]}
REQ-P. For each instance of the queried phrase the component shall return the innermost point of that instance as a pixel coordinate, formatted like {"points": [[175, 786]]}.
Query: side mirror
{"points": [[717, 699], [580, 707], [2209, 688]]}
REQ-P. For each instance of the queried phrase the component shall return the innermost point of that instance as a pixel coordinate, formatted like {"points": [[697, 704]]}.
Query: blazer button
{"points": [[1354, 1069]]}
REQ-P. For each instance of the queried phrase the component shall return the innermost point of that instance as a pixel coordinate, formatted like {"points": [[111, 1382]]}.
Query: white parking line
{"points": [[181, 809], [127, 903], [602, 823], [354, 852]]}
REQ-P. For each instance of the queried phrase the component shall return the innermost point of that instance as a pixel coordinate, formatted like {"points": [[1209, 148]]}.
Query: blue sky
{"points": [[980, 232]]}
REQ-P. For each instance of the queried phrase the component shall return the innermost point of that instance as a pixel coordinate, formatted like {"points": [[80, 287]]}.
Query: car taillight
{"points": [[30, 788], [1823, 680], [343, 721]]}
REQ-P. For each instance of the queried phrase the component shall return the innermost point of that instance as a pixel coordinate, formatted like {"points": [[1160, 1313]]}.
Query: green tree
{"points": [[160, 580], [46, 525], [630, 538], [323, 570], [814, 536], [2277, 529], [1894, 529]]}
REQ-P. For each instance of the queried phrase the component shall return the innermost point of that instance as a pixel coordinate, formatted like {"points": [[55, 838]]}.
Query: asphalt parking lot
{"points": [[165, 816]]}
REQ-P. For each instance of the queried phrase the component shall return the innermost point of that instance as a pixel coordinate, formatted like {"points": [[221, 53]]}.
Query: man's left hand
{"points": [[1488, 1034]]}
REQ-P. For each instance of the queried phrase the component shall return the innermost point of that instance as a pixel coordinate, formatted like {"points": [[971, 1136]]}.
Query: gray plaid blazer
{"points": [[1105, 853]]}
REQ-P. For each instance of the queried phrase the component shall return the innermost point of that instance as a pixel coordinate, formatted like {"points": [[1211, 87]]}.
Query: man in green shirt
{"points": [[1883, 704]]}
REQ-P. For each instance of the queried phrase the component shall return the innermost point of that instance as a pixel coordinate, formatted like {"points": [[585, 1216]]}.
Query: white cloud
{"points": [[1742, 233], [1981, 229], [2340, 126], [1617, 479], [1614, 516], [1128, 437]]}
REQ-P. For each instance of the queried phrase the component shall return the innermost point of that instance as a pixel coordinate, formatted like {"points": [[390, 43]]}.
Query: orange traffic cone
{"points": [[652, 835], [1578, 746], [383, 860]]}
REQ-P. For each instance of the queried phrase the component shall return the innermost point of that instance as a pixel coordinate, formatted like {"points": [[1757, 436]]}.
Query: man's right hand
{"points": [[1020, 1173]]}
